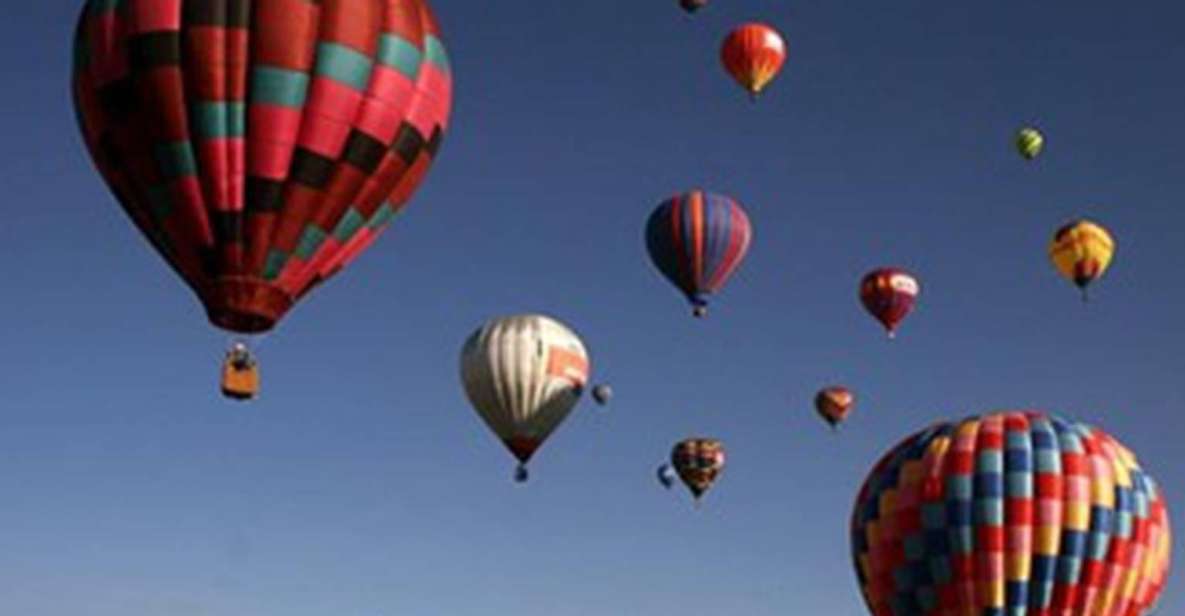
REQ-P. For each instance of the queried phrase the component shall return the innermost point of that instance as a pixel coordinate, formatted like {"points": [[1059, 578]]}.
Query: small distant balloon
{"points": [[1082, 251], [691, 6], [1029, 142], [889, 295], [698, 462], [753, 54], [602, 394], [666, 476], [834, 404]]}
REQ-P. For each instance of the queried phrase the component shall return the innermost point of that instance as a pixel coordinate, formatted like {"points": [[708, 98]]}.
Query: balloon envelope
{"points": [[889, 294], [697, 240], [834, 403], [260, 146], [1029, 143], [1082, 251], [753, 54], [698, 462], [602, 394], [524, 374], [1010, 513], [666, 476], [692, 6]]}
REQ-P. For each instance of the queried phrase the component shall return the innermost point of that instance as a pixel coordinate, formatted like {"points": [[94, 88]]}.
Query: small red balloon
{"points": [[889, 295], [753, 54]]}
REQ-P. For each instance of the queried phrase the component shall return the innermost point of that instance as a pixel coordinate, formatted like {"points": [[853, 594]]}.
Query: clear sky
{"points": [[362, 484]]}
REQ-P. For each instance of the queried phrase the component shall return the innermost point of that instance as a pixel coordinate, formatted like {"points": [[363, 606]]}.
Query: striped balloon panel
{"points": [[697, 240], [260, 144], [1081, 251], [524, 374], [889, 294], [1010, 514], [753, 54], [698, 462]]}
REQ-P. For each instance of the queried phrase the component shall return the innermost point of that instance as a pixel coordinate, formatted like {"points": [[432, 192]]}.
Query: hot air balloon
{"points": [[692, 6], [888, 294], [1029, 142], [1081, 251], [1010, 513], [524, 374], [833, 404], [753, 54], [697, 240], [602, 394], [666, 476], [698, 462], [260, 146]]}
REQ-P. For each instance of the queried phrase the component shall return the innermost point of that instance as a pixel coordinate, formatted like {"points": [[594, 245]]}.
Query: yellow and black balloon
{"points": [[1081, 251]]}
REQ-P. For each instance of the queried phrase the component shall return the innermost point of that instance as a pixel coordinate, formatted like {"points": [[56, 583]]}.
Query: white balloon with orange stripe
{"points": [[524, 374]]}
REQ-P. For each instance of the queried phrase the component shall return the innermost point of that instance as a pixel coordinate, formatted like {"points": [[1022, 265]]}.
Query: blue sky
{"points": [[363, 484]]}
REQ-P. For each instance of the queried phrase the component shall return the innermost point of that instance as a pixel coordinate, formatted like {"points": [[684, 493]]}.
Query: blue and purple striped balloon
{"points": [[697, 240]]}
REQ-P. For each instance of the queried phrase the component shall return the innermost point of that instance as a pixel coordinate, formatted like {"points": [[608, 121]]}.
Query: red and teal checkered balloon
{"points": [[260, 146]]}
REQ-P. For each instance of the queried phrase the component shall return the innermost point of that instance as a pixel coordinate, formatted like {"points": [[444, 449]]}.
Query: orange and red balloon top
{"points": [[753, 54]]}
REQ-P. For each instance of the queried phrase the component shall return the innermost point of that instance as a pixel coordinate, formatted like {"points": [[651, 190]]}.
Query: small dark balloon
{"points": [[698, 463], [666, 476], [834, 403], [692, 6], [602, 394]]}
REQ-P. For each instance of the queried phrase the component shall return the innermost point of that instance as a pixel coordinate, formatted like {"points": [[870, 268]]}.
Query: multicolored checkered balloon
{"points": [[1013, 513], [699, 462]]}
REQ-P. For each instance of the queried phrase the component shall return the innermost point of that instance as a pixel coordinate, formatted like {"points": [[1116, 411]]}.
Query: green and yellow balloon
{"points": [[1029, 142]]}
